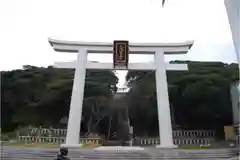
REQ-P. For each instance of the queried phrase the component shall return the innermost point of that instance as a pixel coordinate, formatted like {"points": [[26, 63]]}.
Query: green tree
{"points": [[41, 96], [199, 97]]}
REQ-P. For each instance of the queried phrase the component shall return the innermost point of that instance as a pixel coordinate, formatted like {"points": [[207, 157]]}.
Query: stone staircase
{"points": [[12, 153]]}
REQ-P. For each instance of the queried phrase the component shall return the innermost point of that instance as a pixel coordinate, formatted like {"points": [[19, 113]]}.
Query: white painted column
{"points": [[164, 116], [75, 113], [235, 103], [233, 12]]}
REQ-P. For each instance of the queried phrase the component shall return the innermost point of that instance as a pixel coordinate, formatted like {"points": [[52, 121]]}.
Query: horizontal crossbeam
{"points": [[131, 66]]}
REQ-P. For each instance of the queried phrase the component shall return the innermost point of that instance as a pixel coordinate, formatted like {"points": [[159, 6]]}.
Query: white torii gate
{"points": [[83, 48]]}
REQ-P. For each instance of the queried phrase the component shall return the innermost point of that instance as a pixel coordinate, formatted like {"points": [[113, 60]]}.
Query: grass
{"points": [[33, 145], [88, 146], [46, 145]]}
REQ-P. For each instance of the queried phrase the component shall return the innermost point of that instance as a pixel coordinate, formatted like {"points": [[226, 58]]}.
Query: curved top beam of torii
{"points": [[135, 48]]}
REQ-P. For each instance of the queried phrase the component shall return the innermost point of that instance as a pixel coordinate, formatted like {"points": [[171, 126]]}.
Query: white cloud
{"points": [[27, 24]]}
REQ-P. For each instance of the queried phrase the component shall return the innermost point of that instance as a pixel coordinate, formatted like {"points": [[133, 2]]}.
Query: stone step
{"points": [[115, 158], [10, 153]]}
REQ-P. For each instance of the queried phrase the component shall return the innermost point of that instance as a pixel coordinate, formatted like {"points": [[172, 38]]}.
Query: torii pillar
{"points": [[233, 12], [160, 67]]}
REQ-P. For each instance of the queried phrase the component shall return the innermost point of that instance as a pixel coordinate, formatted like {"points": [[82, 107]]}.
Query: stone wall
{"points": [[54, 135]]}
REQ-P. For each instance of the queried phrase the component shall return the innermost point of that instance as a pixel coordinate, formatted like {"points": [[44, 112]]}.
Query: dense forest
{"points": [[199, 98]]}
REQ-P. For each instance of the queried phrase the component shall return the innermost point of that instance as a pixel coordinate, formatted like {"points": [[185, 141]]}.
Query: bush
{"points": [[4, 137]]}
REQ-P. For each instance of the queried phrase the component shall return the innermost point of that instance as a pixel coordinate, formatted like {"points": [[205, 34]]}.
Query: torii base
{"points": [[71, 145], [167, 146], [119, 148]]}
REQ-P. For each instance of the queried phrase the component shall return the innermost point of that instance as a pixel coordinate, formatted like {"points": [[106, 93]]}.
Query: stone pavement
{"points": [[13, 153]]}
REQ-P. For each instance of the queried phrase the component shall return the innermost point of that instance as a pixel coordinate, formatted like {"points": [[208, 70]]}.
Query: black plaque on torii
{"points": [[120, 53]]}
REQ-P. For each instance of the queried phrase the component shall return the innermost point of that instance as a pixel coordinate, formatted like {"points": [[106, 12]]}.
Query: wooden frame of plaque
{"points": [[120, 53]]}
